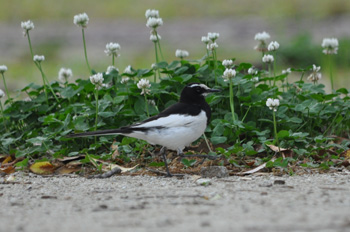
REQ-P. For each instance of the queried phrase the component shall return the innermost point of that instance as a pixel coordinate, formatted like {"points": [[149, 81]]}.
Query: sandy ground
{"points": [[143, 203]]}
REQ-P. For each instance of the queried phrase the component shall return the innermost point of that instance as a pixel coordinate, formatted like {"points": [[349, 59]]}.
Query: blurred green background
{"points": [[298, 25]]}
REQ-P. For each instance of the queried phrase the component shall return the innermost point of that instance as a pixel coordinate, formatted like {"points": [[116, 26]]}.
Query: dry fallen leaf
{"points": [[108, 166], [8, 169], [42, 168], [257, 168], [275, 148], [115, 154], [6, 160]]}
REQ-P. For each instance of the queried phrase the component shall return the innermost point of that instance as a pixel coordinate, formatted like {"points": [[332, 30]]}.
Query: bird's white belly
{"points": [[178, 136]]}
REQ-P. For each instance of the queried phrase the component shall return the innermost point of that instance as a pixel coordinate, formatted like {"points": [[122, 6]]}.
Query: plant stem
{"points": [[146, 103], [157, 61], [46, 80], [215, 64], [96, 100], [232, 102], [274, 70], [85, 52], [113, 59], [6, 89], [331, 71], [160, 49], [275, 129], [206, 141]]}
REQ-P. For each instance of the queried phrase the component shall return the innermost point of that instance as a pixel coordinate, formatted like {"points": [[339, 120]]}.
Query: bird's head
{"points": [[196, 91]]}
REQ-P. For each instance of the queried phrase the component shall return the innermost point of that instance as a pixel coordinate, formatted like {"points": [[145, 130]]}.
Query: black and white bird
{"points": [[174, 128]]}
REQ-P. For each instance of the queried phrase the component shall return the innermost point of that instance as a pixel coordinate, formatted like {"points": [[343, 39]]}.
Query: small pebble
{"points": [[214, 171], [279, 182]]}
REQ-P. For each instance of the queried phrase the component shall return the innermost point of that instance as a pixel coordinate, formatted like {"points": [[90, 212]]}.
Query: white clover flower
{"points": [[228, 74], [81, 20], [181, 53], [144, 85], [267, 59], [97, 79], [262, 36], [252, 71], [286, 71], [255, 79], [227, 63], [154, 66], [155, 38], [330, 45], [272, 103], [315, 76], [151, 102], [128, 70], [38, 58], [205, 39], [2, 93], [65, 74], [27, 26], [273, 46], [152, 13], [3, 68], [153, 22], [212, 46], [112, 49], [111, 68], [124, 80], [213, 36]]}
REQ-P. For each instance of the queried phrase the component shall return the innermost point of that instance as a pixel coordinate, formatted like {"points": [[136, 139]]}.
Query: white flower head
{"points": [[273, 46], [213, 36], [267, 59], [151, 102], [255, 79], [2, 93], [229, 74], [262, 36], [81, 20], [315, 76], [128, 70], [181, 53], [287, 71], [252, 71], [65, 74], [155, 37], [272, 103], [205, 39], [38, 58], [97, 80], [3, 68], [330, 45], [152, 13], [144, 85], [112, 49], [154, 66], [212, 46], [124, 80], [27, 26], [153, 22], [111, 68], [227, 63]]}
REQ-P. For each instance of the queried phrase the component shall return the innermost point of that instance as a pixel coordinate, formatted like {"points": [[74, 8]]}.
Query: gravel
{"points": [[144, 203]]}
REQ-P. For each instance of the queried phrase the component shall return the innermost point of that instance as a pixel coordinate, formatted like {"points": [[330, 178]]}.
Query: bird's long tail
{"points": [[99, 133]]}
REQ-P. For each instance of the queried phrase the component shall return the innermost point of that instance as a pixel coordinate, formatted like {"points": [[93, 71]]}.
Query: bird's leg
{"points": [[163, 152]]}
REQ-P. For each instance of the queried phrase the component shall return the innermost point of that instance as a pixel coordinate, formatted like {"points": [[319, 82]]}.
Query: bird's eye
{"points": [[198, 90]]}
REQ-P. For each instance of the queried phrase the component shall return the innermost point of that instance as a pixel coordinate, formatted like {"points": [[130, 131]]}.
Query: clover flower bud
{"points": [[227, 63], [267, 59], [128, 70], [144, 85], [273, 46], [2, 93], [205, 39], [65, 74], [124, 80], [252, 71], [315, 76], [153, 22], [330, 46], [81, 20], [213, 36], [3, 68], [155, 37], [111, 68], [152, 13], [272, 103], [287, 71], [261, 37], [27, 26], [181, 53], [212, 46], [97, 80], [38, 58]]}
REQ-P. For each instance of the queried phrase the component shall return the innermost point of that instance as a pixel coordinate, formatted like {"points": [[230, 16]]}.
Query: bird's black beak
{"points": [[213, 90]]}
